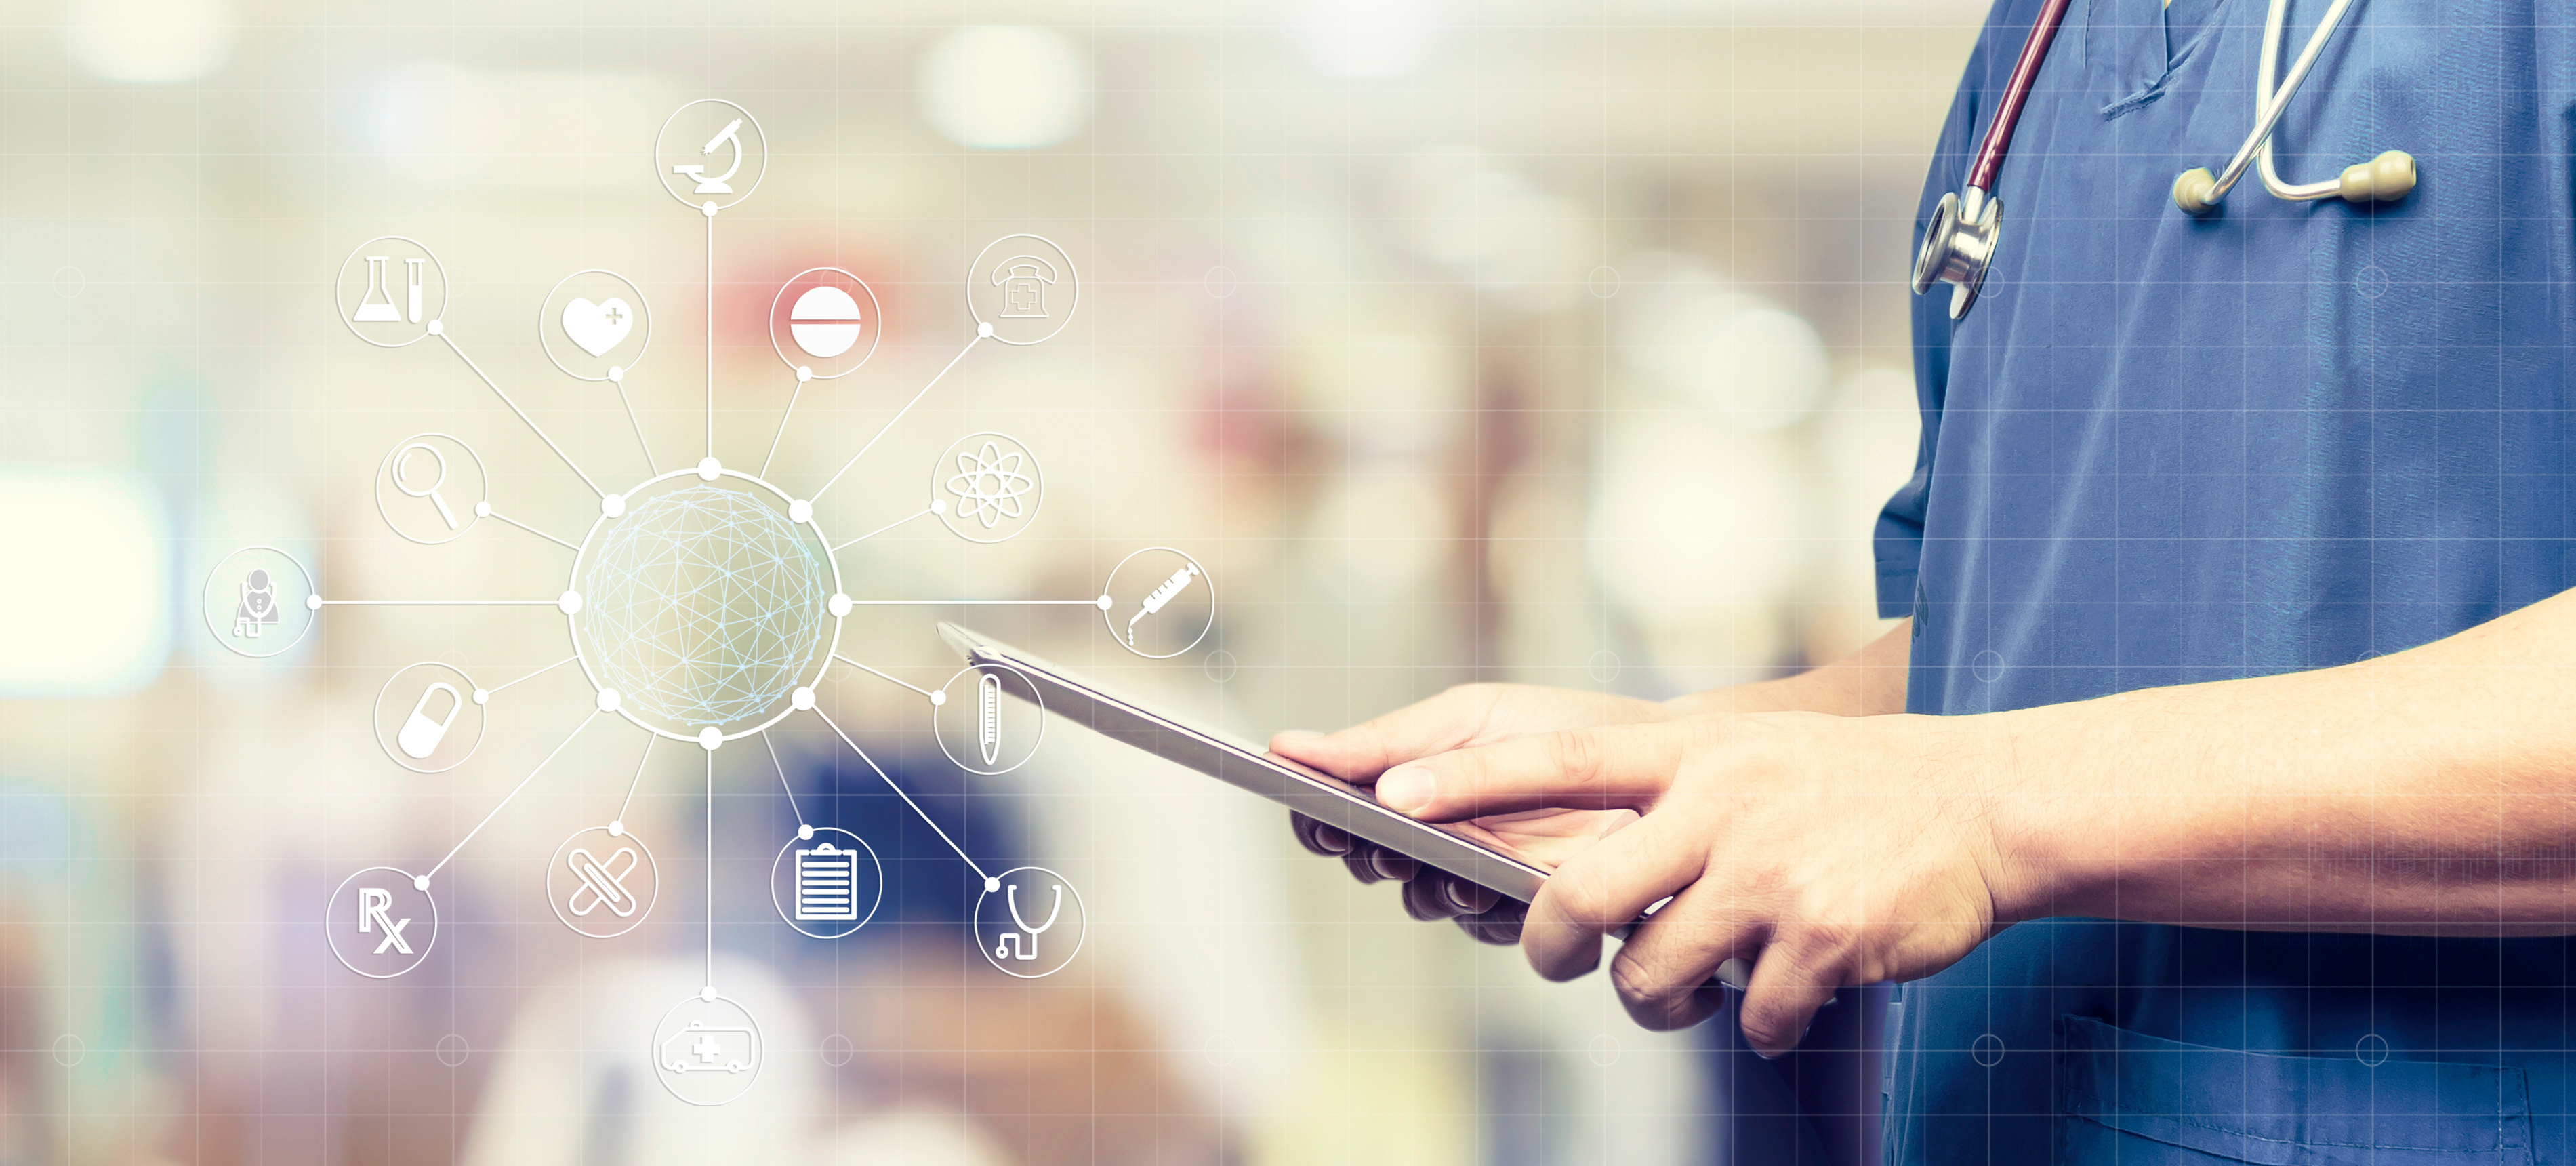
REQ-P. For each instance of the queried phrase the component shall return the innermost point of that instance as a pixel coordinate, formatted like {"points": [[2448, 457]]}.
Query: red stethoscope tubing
{"points": [[2034, 51]]}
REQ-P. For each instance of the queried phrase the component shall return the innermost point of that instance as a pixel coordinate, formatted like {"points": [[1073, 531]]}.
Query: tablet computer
{"points": [[1247, 766]]}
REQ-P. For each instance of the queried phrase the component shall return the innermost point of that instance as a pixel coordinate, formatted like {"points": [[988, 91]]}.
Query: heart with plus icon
{"points": [[598, 327]]}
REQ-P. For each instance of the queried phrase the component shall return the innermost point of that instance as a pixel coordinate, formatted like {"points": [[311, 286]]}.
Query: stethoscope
{"points": [[1960, 242]]}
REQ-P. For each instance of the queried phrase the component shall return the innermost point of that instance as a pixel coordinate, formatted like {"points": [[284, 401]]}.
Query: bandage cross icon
{"points": [[602, 883]]}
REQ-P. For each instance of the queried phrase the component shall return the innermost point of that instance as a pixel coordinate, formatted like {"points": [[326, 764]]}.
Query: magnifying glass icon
{"points": [[402, 458]]}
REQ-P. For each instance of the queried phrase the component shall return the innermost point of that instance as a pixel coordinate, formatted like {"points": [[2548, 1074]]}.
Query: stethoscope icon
{"points": [[1012, 944], [402, 458]]}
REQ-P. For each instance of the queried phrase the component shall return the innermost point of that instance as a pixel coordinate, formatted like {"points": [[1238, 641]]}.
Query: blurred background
{"points": [[1538, 341]]}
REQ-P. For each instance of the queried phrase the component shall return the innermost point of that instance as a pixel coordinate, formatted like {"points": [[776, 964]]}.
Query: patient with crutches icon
{"points": [[1013, 944]]}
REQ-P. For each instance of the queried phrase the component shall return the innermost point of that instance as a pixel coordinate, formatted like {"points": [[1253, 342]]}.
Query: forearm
{"points": [[1866, 683], [2430, 791]]}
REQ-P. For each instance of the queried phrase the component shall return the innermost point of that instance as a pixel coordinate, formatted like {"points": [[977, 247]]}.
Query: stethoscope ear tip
{"points": [[2193, 190]]}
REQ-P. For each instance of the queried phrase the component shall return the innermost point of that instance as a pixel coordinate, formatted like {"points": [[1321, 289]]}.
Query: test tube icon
{"points": [[988, 716]]}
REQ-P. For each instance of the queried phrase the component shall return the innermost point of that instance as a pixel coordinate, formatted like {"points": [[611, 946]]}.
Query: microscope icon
{"points": [[1022, 944], [717, 184]]}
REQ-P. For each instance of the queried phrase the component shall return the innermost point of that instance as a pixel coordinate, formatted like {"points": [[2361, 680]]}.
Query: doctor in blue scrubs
{"points": [[2217, 800]]}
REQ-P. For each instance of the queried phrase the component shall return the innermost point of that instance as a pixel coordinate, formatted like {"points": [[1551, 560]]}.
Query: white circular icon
{"points": [[707, 1049], [595, 325], [259, 602], [991, 484], [426, 718], [1158, 603], [381, 922], [710, 154], [826, 886], [989, 718], [825, 322], [1029, 922], [430, 486], [602, 881], [1022, 289], [391, 291]]}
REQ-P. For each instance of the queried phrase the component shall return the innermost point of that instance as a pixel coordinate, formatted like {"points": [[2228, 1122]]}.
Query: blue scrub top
{"points": [[2164, 450]]}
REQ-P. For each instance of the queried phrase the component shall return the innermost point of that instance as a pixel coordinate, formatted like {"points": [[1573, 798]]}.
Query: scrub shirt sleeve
{"points": [[1899, 537], [1898, 540]]}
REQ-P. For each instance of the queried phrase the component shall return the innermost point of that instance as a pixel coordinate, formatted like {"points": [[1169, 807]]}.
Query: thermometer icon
{"points": [[1162, 595], [988, 716]]}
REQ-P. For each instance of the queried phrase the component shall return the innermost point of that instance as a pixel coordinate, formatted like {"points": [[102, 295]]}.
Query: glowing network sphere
{"points": [[703, 605]]}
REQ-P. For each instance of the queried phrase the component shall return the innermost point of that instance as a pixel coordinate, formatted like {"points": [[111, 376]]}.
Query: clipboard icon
{"points": [[827, 884]]}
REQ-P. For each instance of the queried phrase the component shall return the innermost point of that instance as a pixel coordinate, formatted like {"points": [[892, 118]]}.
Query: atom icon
{"points": [[704, 604], [990, 485]]}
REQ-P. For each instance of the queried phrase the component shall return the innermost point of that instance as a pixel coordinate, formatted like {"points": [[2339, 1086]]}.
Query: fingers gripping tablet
{"points": [[1339, 812]]}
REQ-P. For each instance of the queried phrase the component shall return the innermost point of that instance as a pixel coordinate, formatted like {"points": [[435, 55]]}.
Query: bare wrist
{"points": [[2017, 773]]}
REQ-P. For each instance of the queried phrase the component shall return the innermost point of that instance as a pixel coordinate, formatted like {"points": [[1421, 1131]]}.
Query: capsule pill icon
{"points": [[420, 735]]}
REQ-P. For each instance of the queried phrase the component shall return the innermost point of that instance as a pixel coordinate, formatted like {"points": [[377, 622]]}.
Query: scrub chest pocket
{"points": [[2139, 1100]]}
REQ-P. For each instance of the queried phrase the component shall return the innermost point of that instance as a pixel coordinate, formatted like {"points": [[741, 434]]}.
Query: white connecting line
{"points": [[935, 507], [711, 867], [440, 602], [650, 469], [782, 781], [907, 798], [495, 690], [487, 509], [623, 806], [450, 341], [711, 338], [898, 415], [971, 603], [423, 881], [882, 676]]}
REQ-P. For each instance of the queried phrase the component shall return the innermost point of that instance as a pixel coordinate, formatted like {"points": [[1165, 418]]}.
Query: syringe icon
{"points": [[1161, 596], [988, 716]]}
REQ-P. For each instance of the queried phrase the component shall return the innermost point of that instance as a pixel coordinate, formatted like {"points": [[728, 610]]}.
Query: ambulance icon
{"points": [[707, 1048]]}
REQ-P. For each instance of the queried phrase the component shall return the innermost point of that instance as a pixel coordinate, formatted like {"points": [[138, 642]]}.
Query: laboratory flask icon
{"points": [[1030, 922], [420, 735], [391, 291], [377, 305]]}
